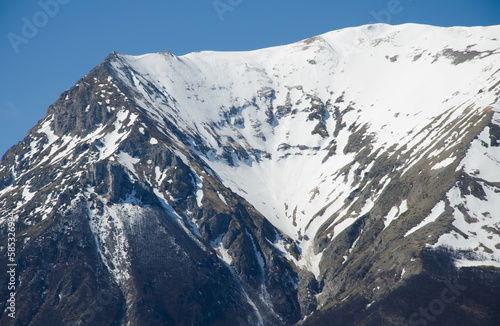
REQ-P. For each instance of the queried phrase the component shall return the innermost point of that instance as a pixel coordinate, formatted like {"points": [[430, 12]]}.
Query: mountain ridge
{"points": [[288, 179]]}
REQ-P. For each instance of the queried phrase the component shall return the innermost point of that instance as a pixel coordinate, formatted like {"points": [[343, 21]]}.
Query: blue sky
{"points": [[47, 45]]}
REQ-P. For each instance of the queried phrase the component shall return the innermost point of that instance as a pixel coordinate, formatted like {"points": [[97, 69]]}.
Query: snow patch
{"points": [[128, 161], [222, 252], [433, 216], [444, 163]]}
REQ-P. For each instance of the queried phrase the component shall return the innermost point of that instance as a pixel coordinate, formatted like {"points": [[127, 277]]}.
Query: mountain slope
{"points": [[307, 183]]}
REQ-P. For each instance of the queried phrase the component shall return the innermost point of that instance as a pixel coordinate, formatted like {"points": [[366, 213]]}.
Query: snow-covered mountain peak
{"points": [[275, 115], [332, 175]]}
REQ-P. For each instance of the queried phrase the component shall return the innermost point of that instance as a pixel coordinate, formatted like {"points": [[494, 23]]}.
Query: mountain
{"points": [[352, 178]]}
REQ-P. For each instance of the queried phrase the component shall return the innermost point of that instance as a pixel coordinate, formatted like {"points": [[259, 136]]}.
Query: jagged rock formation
{"points": [[348, 179]]}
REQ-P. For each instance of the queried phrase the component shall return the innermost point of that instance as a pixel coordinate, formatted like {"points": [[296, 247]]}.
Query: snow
{"points": [[395, 212], [309, 260], [108, 229], [432, 217], [221, 197], [199, 192], [479, 231], [46, 128], [223, 252], [232, 100], [128, 161], [27, 195], [476, 219], [391, 216], [187, 225], [482, 160], [258, 256], [113, 139], [159, 175], [468, 263], [444, 163]]}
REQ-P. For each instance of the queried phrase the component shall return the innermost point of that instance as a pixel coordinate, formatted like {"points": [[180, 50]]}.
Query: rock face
{"points": [[349, 179]]}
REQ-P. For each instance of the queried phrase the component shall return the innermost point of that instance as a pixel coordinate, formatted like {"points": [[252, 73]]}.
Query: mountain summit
{"points": [[352, 178]]}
